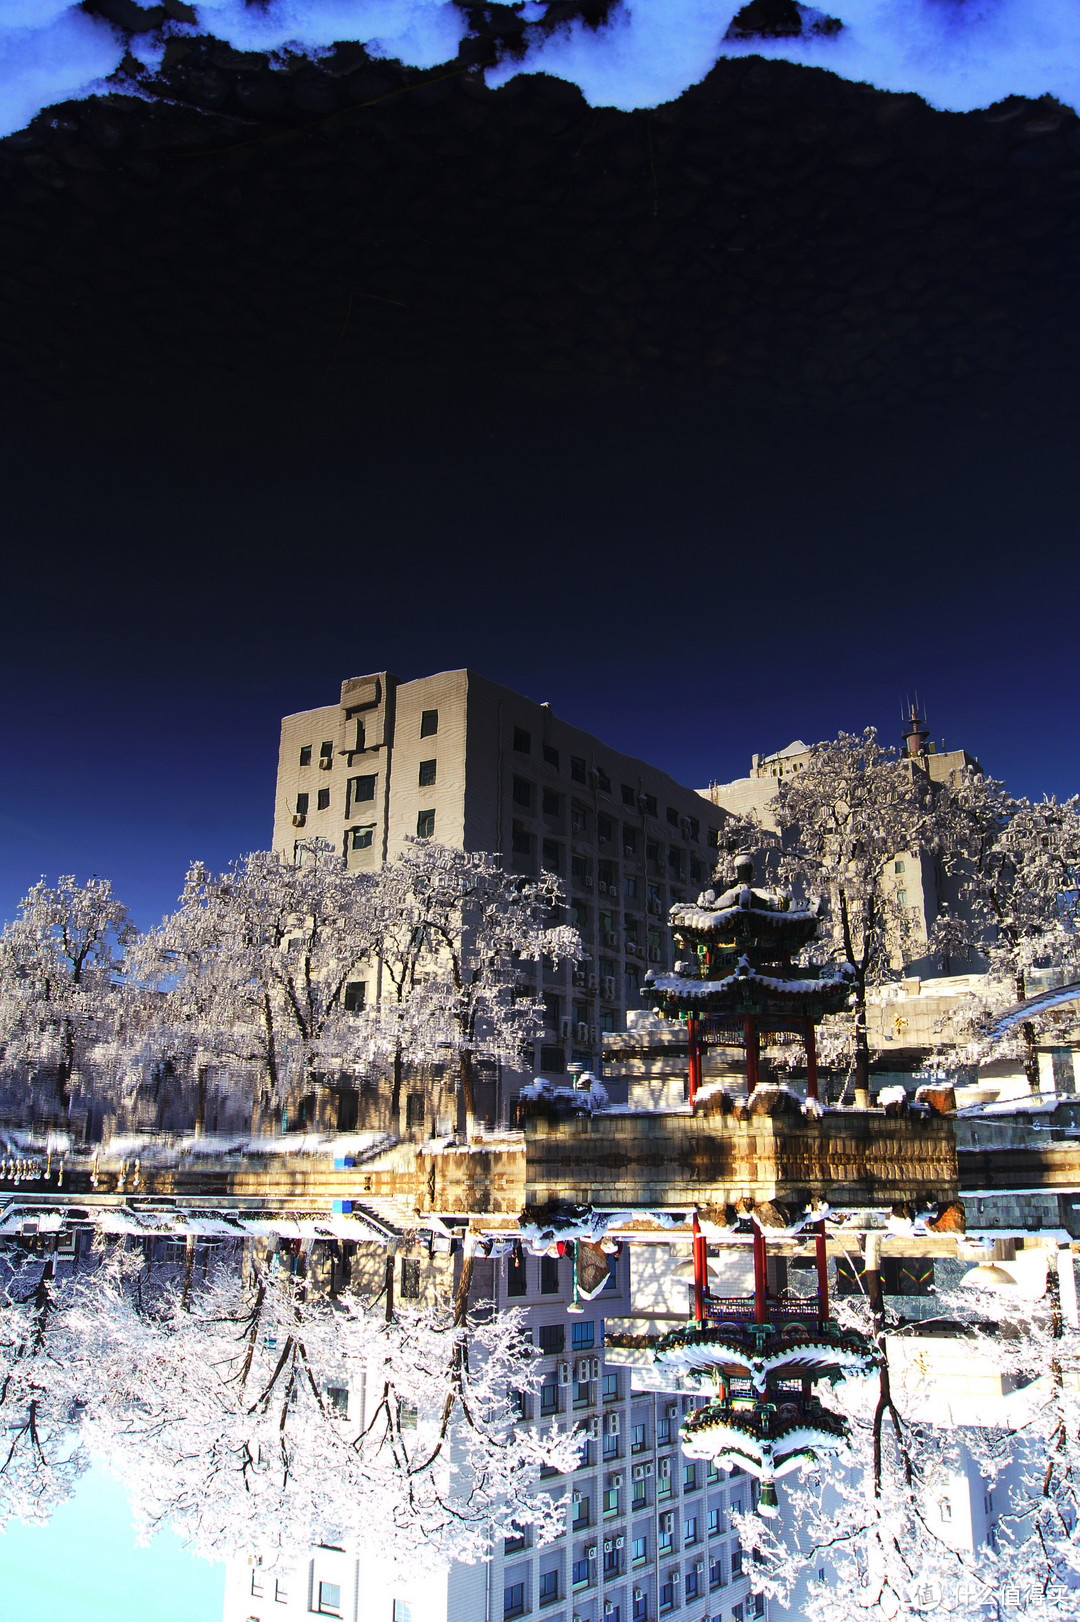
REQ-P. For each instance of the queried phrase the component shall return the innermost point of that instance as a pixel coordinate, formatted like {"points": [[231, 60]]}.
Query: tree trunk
{"points": [[395, 1092], [461, 1298], [468, 1091], [862, 1050], [200, 1101], [390, 1260], [66, 1066], [1027, 1032]]}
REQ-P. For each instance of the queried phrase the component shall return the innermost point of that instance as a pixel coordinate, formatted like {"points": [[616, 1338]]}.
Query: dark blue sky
{"points": [[687, 590]]}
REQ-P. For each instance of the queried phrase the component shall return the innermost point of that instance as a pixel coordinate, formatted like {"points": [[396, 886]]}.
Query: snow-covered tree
{"points": [[843, 819], [60, 963], [255, 965], [42, 1367], [251, 1416], [456, 934], [1018, 871]]}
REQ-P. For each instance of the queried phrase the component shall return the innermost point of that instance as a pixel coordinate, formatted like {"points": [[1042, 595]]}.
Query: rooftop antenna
{"points": [[916, 733]]}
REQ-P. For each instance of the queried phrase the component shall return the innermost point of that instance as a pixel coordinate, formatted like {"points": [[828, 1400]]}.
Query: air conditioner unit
{"points": [[607, 1546], [299, 819], [667, 1523], [620, 1542], [588, 881], [610, 939], [674, 1577], [592, 983], [564, 1029], [647, 1469], [685, 826], [639, 1593], [325, 763], [575, 1498], [672, 1410], [628, 850], [654, 908], [638, 1472], [699, 1566], [609, 1606], [577, 979], [583, 1033], [593, 1428], [564, 1373], [590, 1552], [616, 1480], [613, 1424], [594, 1035], [663, 1468], [596, 1368], [608, 985]]}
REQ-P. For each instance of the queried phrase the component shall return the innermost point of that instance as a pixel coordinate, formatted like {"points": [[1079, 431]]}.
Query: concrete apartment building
{"points": [[649, 1535], [457, 758]]}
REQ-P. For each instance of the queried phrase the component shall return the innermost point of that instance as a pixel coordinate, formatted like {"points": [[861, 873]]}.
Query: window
{"points": [[326, 751], [693, 827], [256, 1576], [410, 1279], [611, 1446], [514, 1599], [627, 794], [550, 1337], [690, 1532], [514, 1545], [736, 1562], [898, 867], [549, 1398], [581, 1393], [603, 781], [549, 1587], [641, 1608], [582, 1335], [425, 825], [552, 856], [714, 838], [330, 1599], [301, 805], [629, 838], [551, 755], [716, 1574], [674, 862], [429, 723], [640, 1499], [549, 1285], [714, 1521], [630, 889], [667, 1595], [355, 996], [581, 1573], [667, 1537], [517, 1281], [736, 1613], [522, 741], [648, 804], [522, 791], [428, 769], [363, 838], [611, 1501], [579, 820], [612, 1280], [581, 1514], [640, 1552], [579, 868], [695, 872], [611, 1562], [946, 1509], [414, 1109], [663, 1433], [552, 802], [689, 1478], [605, 830], [305, 755], [402, 1611], [690, 1587], [521, 840], [673, 816], [324, 799], [577, 769], [637, 1438], [553, 1060], [406, 1415], [281, 1590], [759, 1600], [363, 788], [611, 1388]]}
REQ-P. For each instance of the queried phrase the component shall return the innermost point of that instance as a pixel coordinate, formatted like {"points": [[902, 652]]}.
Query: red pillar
{"points": [[752, 1052], [811, 1061], [760, 1276], [694, 1061], [700, 1271], [822, 1273]]}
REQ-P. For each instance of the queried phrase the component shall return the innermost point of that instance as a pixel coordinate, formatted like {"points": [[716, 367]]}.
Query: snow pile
{"points": [[956, 56], [588, 1098]]}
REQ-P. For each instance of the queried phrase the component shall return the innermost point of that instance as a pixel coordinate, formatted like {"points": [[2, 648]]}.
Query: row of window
{"points": [[429, 726], [514, 1601], [580, 773]]}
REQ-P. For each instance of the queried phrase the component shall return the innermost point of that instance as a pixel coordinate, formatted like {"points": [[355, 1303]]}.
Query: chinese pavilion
{"points": [[760, 1357]]}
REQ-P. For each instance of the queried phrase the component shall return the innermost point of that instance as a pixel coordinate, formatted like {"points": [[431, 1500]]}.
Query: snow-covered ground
{"points": [[957, 54]]}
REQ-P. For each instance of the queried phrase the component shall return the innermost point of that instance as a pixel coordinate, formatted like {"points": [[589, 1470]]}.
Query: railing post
{"points": [[752, 1052], [760, 1276], [694, 1057], [700, 1271], [822, 1272]]}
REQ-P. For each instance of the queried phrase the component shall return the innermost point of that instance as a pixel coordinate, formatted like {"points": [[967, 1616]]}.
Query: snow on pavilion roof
{"points": [[748, 988], [759, 1353], [763, 1441]]}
